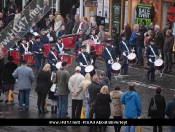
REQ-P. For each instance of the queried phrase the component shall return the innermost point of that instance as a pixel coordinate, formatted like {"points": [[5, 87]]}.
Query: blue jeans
{"points": [[87, 109], [108, 70], [62, 105], [21, 98], [172, 128], [130, 128], [139, 52]]}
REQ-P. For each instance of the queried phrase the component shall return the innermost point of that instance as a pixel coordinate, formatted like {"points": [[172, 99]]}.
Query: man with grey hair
{"points": [[46, 8], [94, 26], [159, 38], [168, 49]]}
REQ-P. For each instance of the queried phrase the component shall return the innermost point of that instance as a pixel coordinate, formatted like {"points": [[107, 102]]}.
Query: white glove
{"points": [[92, 61], [150, 60], [132, 50], [81, 64], [160, 56], [109, 62], [53, 64], [124, 54], [61, 58], [11, 49], [62, 52], [40, 49], [79, 52]]}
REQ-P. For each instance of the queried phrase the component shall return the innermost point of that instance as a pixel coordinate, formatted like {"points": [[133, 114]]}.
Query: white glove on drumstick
{"points": [[81, 64], [150, 60], [92, 61]]}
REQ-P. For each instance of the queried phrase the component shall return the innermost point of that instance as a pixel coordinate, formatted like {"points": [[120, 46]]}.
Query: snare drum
{"points": [[99, 48], [67, 58], [131, 58], [116, 68], [159, 64], [69, 41], [89, 68], [46, 49], [90, 46], [16, 55], [29, 58]]}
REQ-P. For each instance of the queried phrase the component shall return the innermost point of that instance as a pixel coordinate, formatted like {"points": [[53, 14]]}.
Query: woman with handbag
{"points": [[157, 108], [103, 106], [43, 86]]}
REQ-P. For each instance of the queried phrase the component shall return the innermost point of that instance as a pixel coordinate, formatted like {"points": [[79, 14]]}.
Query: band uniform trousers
{"points": [[38, 59], [125, 63], [62, 105], [83, 70], [76, 108], [108, 70], [151, 69]]}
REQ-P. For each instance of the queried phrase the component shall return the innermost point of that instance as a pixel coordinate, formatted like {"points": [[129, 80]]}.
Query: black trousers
{"points": [[76, 108], [102, 116], [41, 101], [117, 128], [155, 128]]}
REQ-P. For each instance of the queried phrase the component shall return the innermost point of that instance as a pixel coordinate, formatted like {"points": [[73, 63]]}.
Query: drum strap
{"points": [[109, 53], [84, 58], [25, 48], [60, 48], [95, 40], [126, 46], [54, 55], [152, 51]]}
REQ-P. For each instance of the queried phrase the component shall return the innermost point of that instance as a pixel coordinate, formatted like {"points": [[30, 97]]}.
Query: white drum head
{"points": [[131, 56], [116, 66], [58, 65], [89, 68], [158, 62]]}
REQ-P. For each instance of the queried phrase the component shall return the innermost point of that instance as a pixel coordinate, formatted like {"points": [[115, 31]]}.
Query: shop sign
{"points": [[143, 12], [91, 4], [171, 13]]}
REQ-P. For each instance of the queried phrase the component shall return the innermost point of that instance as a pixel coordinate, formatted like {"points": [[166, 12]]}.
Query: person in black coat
{"points": [[1, 69], [115, 41], [103, 110], [69, 24], [93, 89], [43, 87], [7, 78], [161, 105]]}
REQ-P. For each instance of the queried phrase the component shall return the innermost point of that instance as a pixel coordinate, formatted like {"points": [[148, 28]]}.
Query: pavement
{"points": [[144, 88]]}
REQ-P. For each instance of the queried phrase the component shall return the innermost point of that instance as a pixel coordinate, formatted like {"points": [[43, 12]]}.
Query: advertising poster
{"points": [[126, 11], [106, 11], [144, 14], [100, 8]]}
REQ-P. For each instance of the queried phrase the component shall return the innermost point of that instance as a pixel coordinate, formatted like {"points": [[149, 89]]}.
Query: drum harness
{"points": [[84, 58], [25, 48], [54, 56], [109, 54]]}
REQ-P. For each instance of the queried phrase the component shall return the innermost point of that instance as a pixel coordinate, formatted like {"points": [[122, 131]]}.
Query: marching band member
{"points": [[52, 58], [23, 48], [38, 49], [83, 59], [93, 36], [60, 46], [44, 40], [108, 55], [124, 49], [79, 33], [62, 32], [78, 44], [31, 42], [151, 55]]}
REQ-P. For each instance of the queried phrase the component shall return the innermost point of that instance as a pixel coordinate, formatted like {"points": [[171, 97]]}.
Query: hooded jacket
{"points": [[103, 81], [132, 103]]}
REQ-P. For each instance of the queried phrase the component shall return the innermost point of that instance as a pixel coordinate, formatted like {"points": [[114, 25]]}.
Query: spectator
{"points": [[11, 13], [168, 50], [115, 41], [25, 77], [7, 78], [86, 82], [73, 12], [93, 90], [50, 21], [80, 33], [52, 35], [127, 31], [3, 20], [170, 112], [133, 107], [42, 87], [4, 11], [151, 26], [77, 92], [1, 69], [160, 103], [84, 27], [159, 39], [103, 106], [57, 24], [62, 78], [103, 80], [62, 32], [117, 109], [12, 2], [44, 38], [168, 26], [76, 24], [45, 10], [41, 24], [132, 40], [69, 24], [94, 26], [101, 34], [149, 36], [17, 17]]}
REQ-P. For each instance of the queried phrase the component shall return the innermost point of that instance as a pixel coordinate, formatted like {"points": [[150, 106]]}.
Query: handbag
{"points": [[153, 108], [53, 88]]}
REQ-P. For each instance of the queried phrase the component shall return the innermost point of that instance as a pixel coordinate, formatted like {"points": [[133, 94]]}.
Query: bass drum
{"points": [[90, 46]]}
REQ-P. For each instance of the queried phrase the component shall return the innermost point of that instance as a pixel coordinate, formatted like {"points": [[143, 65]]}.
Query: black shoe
{"points": [[44, 112], [147, 77], [39, 112], [26, 108], [52, 109], [55, 111], [6, 101], [153, 80]]}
